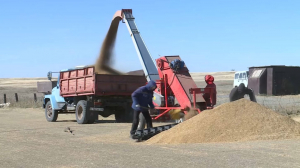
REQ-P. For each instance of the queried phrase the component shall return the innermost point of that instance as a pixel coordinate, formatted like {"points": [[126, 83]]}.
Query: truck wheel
{"points": [[51, 115], [129, 115], [119, 117], [91, 121], [81, 112], [126, 116]]}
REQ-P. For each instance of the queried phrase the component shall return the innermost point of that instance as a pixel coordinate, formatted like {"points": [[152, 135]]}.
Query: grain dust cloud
{"points": [[104, 62]]}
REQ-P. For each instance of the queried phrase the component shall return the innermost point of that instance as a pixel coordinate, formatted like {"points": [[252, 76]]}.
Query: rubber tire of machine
{"points": [[54, 115], [84, 118]]}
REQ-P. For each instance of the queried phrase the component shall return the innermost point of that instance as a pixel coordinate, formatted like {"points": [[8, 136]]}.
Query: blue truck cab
{"points": [[54, 103], [56, 100]]}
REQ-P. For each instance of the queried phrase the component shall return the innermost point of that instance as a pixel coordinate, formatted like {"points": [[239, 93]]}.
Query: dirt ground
{"points": [[28, 140]]}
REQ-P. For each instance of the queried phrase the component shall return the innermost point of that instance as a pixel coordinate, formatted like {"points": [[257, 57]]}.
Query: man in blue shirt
{"points": [[142, 98]]}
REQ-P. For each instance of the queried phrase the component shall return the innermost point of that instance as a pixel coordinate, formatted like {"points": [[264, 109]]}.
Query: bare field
{"points": [[219, 76], [20, 82], [25, 87]]}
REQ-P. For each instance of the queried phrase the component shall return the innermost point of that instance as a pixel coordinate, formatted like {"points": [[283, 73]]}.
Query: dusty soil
{"points": [[240, 120], [28, 140]]}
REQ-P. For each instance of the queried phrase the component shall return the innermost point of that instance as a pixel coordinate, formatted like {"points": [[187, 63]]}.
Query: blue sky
{"points": [[41, 36]]}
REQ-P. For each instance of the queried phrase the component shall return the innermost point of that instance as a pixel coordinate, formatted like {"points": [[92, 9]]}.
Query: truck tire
{"points": [[50, 114], [119, 117], [125, 117], [81, 112], [129, 115], [91, 121]]}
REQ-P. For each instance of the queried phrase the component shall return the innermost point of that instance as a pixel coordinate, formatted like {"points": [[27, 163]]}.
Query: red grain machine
{"points": [[176, 88]]}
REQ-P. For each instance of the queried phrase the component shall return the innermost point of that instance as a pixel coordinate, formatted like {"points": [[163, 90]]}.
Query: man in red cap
{"points": [[210, 84]]}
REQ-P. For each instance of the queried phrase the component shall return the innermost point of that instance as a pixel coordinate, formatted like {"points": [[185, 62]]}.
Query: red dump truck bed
{"points": [[84, 81]]}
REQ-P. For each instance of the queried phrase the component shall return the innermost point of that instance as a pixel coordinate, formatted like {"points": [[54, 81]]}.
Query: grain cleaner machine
{"points": [[176, 90]]}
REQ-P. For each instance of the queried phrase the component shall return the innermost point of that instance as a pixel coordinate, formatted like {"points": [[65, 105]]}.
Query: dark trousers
{"points": [[135, 122]]}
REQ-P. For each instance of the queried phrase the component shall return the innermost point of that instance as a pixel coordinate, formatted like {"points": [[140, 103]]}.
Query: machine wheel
{"points": [[51, 115], [142, 122], [81, 112]]}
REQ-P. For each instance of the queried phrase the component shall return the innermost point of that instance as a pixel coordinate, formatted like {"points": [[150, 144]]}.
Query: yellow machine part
{"points": [[175, 114]]}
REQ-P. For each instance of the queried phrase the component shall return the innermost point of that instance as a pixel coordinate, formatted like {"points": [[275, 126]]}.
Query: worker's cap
{"points": [[209, 79]]}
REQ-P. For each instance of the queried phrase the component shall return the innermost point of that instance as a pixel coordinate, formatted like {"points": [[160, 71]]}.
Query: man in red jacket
{"points": [[210, 84]]}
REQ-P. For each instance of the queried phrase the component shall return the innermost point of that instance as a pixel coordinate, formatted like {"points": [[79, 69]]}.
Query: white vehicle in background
{"points": [[240, 77]]}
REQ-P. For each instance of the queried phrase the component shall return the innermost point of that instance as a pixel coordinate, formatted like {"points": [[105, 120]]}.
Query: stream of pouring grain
{"points": [[104, 62]]}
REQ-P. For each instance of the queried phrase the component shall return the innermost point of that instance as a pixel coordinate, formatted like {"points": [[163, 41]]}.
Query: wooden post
{"points": [[4, 98], [34, 96], [16, 96]]}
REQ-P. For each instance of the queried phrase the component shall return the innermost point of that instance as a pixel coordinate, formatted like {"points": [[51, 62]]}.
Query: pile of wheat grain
{"points": [[240, 120]]}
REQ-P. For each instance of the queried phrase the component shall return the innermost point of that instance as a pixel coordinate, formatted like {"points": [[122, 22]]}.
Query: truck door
{"points": [[56, 92]]}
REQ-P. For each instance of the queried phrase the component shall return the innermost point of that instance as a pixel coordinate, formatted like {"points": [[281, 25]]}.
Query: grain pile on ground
{"points": [[190, 114], [241, 120], [104, 61]]}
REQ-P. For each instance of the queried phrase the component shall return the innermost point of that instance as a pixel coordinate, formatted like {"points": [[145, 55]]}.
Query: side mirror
{"points": [[49, 75]]}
